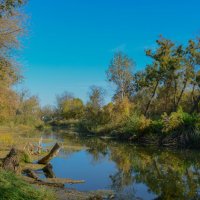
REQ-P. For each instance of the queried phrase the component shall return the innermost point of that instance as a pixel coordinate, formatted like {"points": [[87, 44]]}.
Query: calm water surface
{"points": [[131, 171]]}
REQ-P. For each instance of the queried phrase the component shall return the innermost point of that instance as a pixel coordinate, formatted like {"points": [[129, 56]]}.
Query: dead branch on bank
{"points": [[54, 151]]}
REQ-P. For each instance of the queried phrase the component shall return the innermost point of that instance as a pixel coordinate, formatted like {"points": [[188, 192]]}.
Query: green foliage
{"points": [[136, 124], [179, 119], [156, 126], [72, 109], [7, 7], [25, 158], [28, 112], [120, 72], [160, 103], [13, 187]]}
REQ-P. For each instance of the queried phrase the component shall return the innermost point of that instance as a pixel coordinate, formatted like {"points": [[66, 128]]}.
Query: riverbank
{"points": [[131, 171], [178, 130], [28, 188]]}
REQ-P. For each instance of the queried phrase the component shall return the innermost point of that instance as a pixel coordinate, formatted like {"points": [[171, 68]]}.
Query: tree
{"points": [[96, 97], [120, 72], [69, 107], [11, 27], [72, 108], [28, 111], [62, 98]]}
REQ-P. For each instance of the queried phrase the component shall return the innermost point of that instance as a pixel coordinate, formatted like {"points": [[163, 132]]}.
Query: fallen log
{"points": [[54, 151], [30, 173], [36, 180], [48, 171], [59, 185], [63, 180]]}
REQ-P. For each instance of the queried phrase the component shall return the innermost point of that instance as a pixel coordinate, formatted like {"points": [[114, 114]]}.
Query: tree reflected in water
{"points": [[167, 174]]}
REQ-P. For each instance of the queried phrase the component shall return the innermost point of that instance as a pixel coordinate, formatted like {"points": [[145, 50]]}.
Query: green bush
{"points": [[136, 124], [156, 126], [179, 119]]}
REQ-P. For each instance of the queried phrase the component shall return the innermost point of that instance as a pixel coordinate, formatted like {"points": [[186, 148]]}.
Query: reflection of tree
{"points": [[120, 180], [97, 149], [169, 175]]}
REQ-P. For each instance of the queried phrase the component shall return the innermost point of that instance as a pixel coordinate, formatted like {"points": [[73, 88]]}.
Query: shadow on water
{"points": [[131, 171]]}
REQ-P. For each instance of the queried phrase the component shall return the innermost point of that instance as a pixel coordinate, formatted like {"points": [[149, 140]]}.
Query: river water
{"points": [[132, 172]]}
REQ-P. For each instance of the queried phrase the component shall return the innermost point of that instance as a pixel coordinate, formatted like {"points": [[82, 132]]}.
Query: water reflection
{"points": [[131, 171]]}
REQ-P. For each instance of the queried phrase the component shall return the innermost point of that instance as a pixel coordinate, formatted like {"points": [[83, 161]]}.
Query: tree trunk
{"points": [[175, 91], [48, 171], [11, 161], [52, 153], [152, 96], [180, 97], [36, 180], [195, 107]]}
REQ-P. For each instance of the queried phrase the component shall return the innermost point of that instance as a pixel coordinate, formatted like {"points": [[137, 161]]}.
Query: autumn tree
{"points": [[120, 72], [96, 97], [11, 27], [69, 107], [28, 110]]}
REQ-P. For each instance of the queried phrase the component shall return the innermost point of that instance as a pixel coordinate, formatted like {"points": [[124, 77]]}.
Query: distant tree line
{"points": [[163, 99]]}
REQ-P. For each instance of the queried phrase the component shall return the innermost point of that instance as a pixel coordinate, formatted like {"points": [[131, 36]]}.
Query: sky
{"points": [[70, 43]]}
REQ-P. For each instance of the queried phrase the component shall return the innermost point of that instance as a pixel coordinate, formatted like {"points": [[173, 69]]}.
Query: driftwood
{"points": [[36, 180], [51, 178], [30, 173], [64, 180], [53, 182], [52, 153], [33, 149], [29, 147], [11, 161], [40, 182], [48, 171]]}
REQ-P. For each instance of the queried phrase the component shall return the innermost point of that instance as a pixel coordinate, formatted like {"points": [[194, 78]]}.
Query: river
{"points": [[131, 171]]}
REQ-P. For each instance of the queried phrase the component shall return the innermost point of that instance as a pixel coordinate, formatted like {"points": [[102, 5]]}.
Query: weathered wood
{"points": [[36, 180], [54, 151], [59, 185], [63, 180], [48, 171], [30, 173]]}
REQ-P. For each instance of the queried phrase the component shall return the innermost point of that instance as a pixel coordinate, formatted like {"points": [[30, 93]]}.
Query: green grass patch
{"points": [[12, 187]]}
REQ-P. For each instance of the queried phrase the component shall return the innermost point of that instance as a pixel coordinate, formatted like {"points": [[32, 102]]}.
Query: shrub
{"points": [[179, 119], [136, 124]]}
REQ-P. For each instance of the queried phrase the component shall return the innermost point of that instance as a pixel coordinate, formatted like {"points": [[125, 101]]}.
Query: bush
{"points": [[136, 124], [156, 126], [179, 119]]}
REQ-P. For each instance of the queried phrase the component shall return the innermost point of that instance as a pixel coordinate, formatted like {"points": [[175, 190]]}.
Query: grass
{"points": [[12, 187]]}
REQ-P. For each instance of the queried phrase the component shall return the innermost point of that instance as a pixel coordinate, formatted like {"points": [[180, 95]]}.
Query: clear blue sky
{"points": [[71, 42]]}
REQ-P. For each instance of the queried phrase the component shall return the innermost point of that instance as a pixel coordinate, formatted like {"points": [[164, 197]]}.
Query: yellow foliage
{"points": [[124, 107], [143, 122], [172, 121]]}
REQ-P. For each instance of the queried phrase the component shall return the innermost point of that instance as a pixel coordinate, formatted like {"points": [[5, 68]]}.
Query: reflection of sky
{"points": [[102, 169], [81, 166]]}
